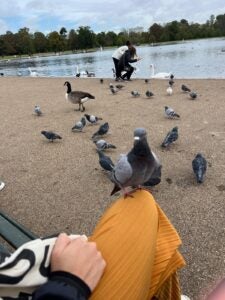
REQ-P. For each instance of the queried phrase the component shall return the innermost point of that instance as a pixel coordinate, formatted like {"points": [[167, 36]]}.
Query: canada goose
{"points": [[77, 97]]}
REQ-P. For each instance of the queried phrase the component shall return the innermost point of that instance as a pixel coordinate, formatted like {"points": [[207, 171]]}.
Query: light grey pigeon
{"points": [[135, 94], [170, 113], [37, 110], [92, 119], [193, 95], [169, 90], [79, 126], [199, 165], [103, 145], [136, 167], [171, 137], [105, 161]]}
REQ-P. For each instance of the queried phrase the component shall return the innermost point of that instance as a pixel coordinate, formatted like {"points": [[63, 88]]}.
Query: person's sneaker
{"points": [[184, 297], [2, 184]]}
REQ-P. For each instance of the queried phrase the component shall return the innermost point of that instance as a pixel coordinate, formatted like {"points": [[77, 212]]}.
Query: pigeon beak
{"points": [[136, 138]]}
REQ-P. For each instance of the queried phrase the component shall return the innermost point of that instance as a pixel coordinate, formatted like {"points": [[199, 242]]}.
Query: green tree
{"points": [[24, 41], [72, 40], [40, 42], [86, 37], [155, 33], [55, 42], [220, 24]]}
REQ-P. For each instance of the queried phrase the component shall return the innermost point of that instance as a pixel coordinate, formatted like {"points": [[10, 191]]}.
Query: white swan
{"points": [[161, 75], [33, 73]]}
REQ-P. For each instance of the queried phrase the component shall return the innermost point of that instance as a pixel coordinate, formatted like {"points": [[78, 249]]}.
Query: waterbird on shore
{"points": [[170, 138], [105, 161], [101, 80], [146, 80], [193, 95], [161, 75], [149, 94], [135, 94], [50, 135], [199, 166], [184, 88], [169, 90], [92, 119], [79, 126], [33, 73], [170, 113], [136, 167], [77, 97], [37, 110], [103, 145], [103, 129]]}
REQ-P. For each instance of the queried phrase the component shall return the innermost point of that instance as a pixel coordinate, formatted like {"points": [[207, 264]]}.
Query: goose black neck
{"points": [[68, 87]]}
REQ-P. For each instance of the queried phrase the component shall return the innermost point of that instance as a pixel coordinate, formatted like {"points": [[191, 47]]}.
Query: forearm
{"points": [[63, 286]]}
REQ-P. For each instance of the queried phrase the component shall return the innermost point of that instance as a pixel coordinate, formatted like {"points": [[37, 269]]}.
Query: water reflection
{"points": [[187, 59]]}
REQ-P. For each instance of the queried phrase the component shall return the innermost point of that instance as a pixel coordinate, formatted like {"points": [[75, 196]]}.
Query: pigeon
{"points": [[171, 76], [149, 94], [135, 94], [103, 145], [51, 135], [37, 110], [136, 167], [105, 161], [101, 80], [79, 126], [155, 178], [119, 86], [193, 95], [171, 82], [171, 137], [146, 80], [169, 90], [77, 97], [185, 88], [170, 113], [103, 129], [92, 119], [113, 90], [199, 165]]}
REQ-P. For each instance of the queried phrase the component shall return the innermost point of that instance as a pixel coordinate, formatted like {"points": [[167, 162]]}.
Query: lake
{"points": [[203, 58]]}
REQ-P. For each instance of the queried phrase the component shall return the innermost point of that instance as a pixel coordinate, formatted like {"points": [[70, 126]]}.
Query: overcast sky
{"points": [[100, 15]]}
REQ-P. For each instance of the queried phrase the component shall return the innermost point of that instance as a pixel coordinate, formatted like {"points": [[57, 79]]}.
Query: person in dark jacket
{"points": [[125, 61]]}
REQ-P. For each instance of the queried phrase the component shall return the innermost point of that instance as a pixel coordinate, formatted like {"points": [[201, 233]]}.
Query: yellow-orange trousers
{"points": [[140, 247]]}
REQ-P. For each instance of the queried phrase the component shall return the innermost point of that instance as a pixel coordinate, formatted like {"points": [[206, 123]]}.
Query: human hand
{"points": [[78, 257]]}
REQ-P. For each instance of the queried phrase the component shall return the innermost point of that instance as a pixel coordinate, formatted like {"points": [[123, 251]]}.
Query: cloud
{"points": [[103, 15]]}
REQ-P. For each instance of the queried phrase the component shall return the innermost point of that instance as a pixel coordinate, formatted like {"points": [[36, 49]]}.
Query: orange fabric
{"points": [[139, 245]]}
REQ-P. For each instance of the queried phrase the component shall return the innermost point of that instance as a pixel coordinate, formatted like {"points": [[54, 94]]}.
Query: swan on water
{"points": [[33, 73], [161, 75]]}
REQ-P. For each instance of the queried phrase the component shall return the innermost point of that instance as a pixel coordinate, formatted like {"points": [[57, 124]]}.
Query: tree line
{"points": [[24, 42]]}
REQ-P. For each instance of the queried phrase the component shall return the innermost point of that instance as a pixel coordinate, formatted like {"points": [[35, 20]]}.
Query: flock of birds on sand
{"points": [[140, 167]]}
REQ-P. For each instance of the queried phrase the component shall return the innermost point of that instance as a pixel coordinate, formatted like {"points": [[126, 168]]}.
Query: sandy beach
{"points": [[54, 187]]}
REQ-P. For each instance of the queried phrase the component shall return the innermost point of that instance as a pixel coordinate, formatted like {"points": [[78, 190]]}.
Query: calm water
{"points": [[187, 59]]}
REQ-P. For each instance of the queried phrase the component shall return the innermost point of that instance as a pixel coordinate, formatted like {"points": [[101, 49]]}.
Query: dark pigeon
{"points": [[103, 129], [135, 94], [51, 135], [105, 161], [193, 95], [149, 94], [185, 89], [199, 165], [155, 178], [171, 137], [136, 167]]}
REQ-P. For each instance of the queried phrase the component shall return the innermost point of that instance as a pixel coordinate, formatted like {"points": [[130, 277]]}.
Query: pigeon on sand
{"points": [[103, 145], [79, 126], [105, 161], [170, 113], [171, 137], [199, 165], [37, 110], [51, 136], [103, 129], [136, 167], [92, 119]]}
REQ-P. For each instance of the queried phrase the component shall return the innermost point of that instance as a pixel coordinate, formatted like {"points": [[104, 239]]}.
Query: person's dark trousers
{"points": [[128, 73], [117, 69]]}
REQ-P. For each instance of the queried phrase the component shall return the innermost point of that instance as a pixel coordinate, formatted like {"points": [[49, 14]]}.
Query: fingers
{"points": [[62, 241]]}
